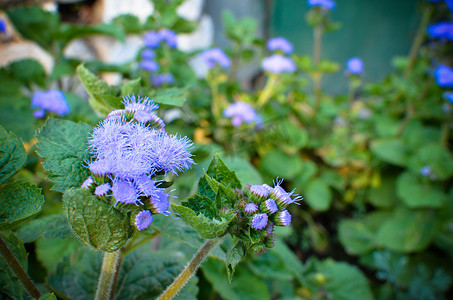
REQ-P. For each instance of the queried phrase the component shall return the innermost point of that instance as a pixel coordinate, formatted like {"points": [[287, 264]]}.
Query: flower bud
{"points": [[143, 219], [250, 208], [259, 221], [283, 218], [269, 206]]}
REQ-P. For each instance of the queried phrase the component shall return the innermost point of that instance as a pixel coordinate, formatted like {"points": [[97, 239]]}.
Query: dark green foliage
{"points": [[12, 154], [10, 285]]}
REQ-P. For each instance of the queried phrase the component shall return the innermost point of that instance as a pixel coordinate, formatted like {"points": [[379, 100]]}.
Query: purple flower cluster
{"points": [[444, 76], [277, 64], [153, 40], [52, 101], [327, 4], [215, 57], [443, 31], [279, 43], [241, 112], [264, 207], [129, 148], [354, 66]]}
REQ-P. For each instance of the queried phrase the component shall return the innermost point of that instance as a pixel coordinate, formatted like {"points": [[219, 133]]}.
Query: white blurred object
{"points": [[14, 51], [190, 9], [199, 66], [201, 38], [113, 8]]}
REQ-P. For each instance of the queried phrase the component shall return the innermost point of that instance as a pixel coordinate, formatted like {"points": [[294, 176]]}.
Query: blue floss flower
{"points": [[52, 100], [449, 4], [129, 167], [444, 76], [169, 36], [283, 198], [442, 30], [171, 154], [270, 206], [142, 116], [251, 208], [328, 4], [146, 185], [241, 112], [279, 43], [148, 54], [160, 79], [100, 167], [283, 218], [125, 192], [116, 115], [214, 57], [159, 202], [426, 171], [109, 137], [102, 190], [259, 190], [354, 66], [87, 183], [259, 221], [133, 104], [152, 39], [143, 219], [277, 64], [448, 96], [149, 65], [2, 26]]}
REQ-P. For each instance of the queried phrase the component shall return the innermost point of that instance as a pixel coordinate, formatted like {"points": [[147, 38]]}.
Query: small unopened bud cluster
{"points": [[260, 209], [130, 148]]}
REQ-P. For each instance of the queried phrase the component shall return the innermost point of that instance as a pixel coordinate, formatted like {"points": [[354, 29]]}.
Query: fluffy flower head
{"points": [[283, 218], [259, 221], [169, 37], [277, 64], [251, 208], [143, 219], [214, 57], [161, 79], [442, 30], [241, 112], [149, 65], [125, 192], [444, 76], [279, 43], [102, 190], [52, 100]]}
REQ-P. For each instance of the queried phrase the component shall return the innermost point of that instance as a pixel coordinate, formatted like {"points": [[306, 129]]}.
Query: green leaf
{"points": [[244, 286], [435, 156], [48, 296], [270, 266], [415, 193], [48, 227], [407, 230], [202, 205], [218, 171], [130, 23], [233, 256], [63, 146], [102, 96], [392, 151], [278, 164], [28, 71], [10, 284], [51, 252], [290, 261], [34, 23], [96, 223], [131, 87], [344, 281], [19, 200], [170, 97], [68, 32], [206, 227], [384, 196], [318, 195], [245, 171], [12, 155]]}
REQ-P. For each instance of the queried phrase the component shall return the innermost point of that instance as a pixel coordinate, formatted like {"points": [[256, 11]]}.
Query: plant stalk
{"points": [[106, 278], [17, 268], [190, 269], [266, 93], [317, 45]]}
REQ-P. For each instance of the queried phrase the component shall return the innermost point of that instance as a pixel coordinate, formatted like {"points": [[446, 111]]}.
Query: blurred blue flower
{"points": [[102, 190], [329, 4], [52, 101], [449, 4], [442, 30], [161, 79], [444, 76], [148, 54], [152, 39], [169, 37], [149, 65], [277, 64], [283, 218], [259, 221], [143, 219], [214, 57], [425, 171], [354, 66], [448, 96], [241, 112], [2, 26], [279, 43]]}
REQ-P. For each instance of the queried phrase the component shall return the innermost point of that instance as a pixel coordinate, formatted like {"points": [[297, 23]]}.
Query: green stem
{"points": [[17, 268], [132, 247], [216, 102], [266, 93], [317, 44], [107, 275], [190, 269]]}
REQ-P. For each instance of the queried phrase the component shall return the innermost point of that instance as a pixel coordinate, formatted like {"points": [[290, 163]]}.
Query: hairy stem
{"points": [[106, 278], [190, 269], [17, 268]]}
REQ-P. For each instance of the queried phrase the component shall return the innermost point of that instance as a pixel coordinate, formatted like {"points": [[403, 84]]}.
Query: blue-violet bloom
{"points": [[270, 206], [214, 57], [283, 218], [169, 36], [52, 101], [161, 79], [259, 190], [241, 112], [2, 26], [354, 66], [125, 192], [152, 39], [277, 64], [159, 202], [102, 190], [329, 4], [143, 219], [251, 208], [148, 54], [442, 30], [149, 65], [279, 43], [444, 76], [87, 183], [448, 96], [259, 221]]}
